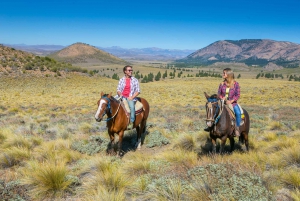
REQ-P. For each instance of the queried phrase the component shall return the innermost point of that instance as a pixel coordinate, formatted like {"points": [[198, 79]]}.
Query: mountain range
{"points": [[255, 52], [151, 53], [252, 52]]}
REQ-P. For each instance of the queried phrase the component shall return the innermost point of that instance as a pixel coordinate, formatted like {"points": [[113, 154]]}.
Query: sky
{"points": [[167, 24]]}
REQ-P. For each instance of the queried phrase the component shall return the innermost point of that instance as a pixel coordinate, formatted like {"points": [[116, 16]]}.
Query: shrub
{"points": [[93, 146], [156, 139], [225, 182]]}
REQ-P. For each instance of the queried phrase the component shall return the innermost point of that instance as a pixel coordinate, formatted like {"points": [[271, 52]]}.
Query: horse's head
{"points": [[211, 109], [103, 106]]}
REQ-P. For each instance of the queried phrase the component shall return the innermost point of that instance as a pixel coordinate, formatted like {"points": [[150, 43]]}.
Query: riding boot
{"points": [[130, 126], [237, 131], [207, 129]]}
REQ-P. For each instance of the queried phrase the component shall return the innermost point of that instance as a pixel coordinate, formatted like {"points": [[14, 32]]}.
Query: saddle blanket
{"points": [[233, 114], [138, 106]]}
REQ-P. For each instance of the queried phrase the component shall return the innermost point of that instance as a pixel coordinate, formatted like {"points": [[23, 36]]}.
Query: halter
{"points": [[109, 107]]}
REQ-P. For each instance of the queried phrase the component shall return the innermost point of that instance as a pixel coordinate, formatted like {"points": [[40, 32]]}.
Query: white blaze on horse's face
{"points": [[209, 114], [99, 109]]}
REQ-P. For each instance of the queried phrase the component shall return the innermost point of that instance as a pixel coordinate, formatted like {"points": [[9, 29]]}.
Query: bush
{"points": [[93, 146], [225, 182], [156, 139]]}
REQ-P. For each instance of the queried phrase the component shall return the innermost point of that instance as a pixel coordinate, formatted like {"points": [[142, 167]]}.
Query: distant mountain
{"points": [[259, 52], [41, 50], [84, 53], [151, 53]]}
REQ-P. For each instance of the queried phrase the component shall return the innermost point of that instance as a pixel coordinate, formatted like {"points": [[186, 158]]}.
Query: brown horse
{"points": [[221, 124], [117, 120]]}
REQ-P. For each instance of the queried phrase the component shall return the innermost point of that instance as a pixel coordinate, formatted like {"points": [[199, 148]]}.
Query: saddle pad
{"points": [[232, 114], [232, 110], [138, 105]]}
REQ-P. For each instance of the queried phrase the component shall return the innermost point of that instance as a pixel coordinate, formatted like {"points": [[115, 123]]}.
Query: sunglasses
{"points": [[129, 70]]}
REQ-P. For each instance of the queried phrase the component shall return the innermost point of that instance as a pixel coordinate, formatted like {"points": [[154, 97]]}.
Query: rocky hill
{"points": [[16, 62], [259, 52], [84, 53]]}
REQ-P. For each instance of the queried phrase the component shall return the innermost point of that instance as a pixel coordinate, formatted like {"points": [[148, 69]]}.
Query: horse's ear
{"points": [[101, 94], [206, 96], [109, 95]]}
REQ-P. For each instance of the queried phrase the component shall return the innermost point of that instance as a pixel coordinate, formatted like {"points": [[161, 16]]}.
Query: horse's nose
{"points": [[98, 119], [209, 123]]}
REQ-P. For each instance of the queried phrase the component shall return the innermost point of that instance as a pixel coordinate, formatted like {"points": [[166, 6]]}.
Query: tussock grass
{"points": [[47, 179], [252, 159], [270, 136], [291, 156], [185, 142], [85, 127], [17, 141], [282, 142], [199, 192], [138, 164], [276, 125], [102, 194], [104, 174], [54, 150], [180, 157], [174, 190], [4, 133], [140, 185], [296, 195], [13, 156], [291, 178]]}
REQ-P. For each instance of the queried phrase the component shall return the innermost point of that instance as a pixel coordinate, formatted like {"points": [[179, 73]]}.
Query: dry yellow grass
{"points": [[42, 117]]}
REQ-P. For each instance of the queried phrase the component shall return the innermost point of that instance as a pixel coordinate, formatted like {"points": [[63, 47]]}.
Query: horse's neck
{"points": [[115, 108]]}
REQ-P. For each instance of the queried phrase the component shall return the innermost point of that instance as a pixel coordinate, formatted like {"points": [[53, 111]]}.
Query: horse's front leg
{"points": [[111, 146], [214, 145], [223, 141], [120, 151], [231, 144]]}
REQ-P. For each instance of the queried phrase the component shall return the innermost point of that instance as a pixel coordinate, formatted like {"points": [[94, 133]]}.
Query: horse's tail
{"points": [[145, 127]]}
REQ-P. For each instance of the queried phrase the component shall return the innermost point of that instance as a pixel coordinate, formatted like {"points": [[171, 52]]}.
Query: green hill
{"points": [[16, 62]]}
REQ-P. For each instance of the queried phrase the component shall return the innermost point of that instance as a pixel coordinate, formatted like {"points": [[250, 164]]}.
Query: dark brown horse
{"points": [[117, 119], [222, 126]]}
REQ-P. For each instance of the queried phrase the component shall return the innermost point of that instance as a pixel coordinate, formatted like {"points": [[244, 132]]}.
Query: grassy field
{"points": [[51, 148], [146, 67]]}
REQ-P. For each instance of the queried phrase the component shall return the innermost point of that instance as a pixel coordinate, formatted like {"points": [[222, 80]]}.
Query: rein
{"points": [[109, 107]]}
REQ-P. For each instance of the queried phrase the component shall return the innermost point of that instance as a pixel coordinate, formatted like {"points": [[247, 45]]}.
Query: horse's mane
{"points": [[111, 97]]}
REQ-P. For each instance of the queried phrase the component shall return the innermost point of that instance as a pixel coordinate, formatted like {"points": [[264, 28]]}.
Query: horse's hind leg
{"points": [[246, 141], [139, 130]]}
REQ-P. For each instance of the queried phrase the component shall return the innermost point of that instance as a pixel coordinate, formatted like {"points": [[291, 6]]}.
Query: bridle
{"points": [[108, 108], [212, 117]]}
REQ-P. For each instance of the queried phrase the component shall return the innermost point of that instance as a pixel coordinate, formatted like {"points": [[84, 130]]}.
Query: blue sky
{"points": [[189, 24]]}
